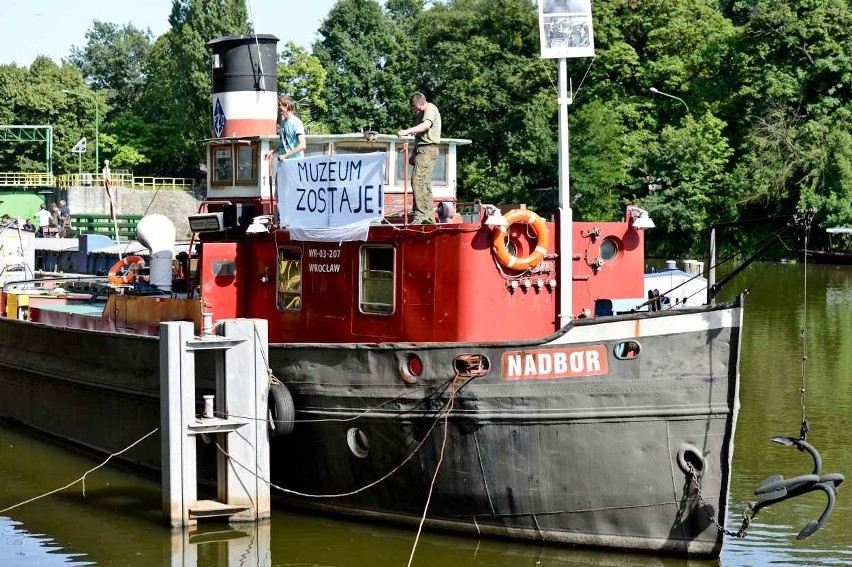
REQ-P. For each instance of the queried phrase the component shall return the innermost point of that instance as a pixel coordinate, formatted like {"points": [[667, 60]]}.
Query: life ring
{"points": [[120, 273], [542, 236], [282, 412]]}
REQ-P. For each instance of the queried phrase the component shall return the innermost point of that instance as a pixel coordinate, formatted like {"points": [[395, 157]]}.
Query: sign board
{"points": [[331, 194], [565, 28], [80, 146], [554, 363]]}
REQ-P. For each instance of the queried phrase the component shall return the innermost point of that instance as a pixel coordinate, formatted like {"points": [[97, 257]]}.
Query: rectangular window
{"points": [[289, 297], [350, 148], [247, 164], [439, 174], [223, 165], [377, 279]]}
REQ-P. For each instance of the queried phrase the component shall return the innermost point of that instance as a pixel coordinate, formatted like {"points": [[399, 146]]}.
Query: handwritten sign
{"points": [[331, 191]]}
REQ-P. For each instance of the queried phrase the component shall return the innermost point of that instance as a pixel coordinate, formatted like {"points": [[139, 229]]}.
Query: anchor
{"points": [[776, 488]]}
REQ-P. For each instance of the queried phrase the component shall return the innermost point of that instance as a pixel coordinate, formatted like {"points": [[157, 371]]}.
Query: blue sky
{"points": [[29, 28]]}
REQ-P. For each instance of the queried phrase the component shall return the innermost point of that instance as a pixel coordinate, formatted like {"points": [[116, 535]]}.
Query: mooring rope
{"points": [[82, 478], [435, 475], [444, 410]]}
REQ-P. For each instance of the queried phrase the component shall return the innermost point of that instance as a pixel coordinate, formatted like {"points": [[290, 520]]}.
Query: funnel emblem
{"points": [[218, 119]]}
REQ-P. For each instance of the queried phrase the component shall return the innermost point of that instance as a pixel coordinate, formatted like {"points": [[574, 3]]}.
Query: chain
{"points": [[739, 534]]}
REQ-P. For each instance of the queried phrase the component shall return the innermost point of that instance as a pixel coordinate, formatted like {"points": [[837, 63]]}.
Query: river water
{"points": [[117, 521]]}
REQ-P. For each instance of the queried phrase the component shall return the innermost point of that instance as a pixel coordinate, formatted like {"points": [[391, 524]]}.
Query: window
{"points": [[289, 297], [609, 249], [246, 165], [439, 174], [377, 280], [234, 158], [350, 148], [223, 165]]}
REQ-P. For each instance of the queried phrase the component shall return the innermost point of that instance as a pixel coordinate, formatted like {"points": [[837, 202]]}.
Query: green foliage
{"points": [[303, 77], [361, 50], [114, 60], [690, 166]]}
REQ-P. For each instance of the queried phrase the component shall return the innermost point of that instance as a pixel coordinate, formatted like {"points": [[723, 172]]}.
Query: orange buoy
{"points": [[542, 235]]}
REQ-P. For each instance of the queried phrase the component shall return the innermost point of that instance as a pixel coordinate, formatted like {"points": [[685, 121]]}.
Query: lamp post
{"points": [[97, 119], [655, 90]]}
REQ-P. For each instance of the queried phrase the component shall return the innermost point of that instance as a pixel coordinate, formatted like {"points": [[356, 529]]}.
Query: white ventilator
{"points": [[157, 233]]}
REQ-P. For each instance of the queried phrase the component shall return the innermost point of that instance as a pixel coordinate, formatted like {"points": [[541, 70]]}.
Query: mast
{"points": [[566, 239]]}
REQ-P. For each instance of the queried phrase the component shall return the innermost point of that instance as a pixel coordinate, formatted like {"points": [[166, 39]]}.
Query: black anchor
{"points": [[777, 489]]}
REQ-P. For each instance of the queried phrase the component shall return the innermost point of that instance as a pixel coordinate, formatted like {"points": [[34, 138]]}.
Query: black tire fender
{"points": [[282, 412]]}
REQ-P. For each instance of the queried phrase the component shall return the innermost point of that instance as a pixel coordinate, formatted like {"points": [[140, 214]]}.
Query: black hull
{"points": [[828, 257], [590, 460]]}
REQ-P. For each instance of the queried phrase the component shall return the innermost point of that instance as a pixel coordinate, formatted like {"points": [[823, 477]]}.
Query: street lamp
{"points": [[97, 119], [655, 90]]}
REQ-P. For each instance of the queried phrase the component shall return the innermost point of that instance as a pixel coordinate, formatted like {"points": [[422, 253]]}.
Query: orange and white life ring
{"points": [[120, 273], [542, 236]]}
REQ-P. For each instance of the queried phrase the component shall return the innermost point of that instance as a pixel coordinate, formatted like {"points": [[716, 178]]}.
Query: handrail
{"points": [[125, 180], [31, 179]]}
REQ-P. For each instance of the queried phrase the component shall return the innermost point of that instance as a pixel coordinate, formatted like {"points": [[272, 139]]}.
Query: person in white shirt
{"points": [[43, 216]]}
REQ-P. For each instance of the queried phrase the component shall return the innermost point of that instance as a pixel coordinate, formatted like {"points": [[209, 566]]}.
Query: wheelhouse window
{"points": [[223, 165], [234, 164], [377, 280], [246, 164], [289, 296], [439, 174], [349, 148]]}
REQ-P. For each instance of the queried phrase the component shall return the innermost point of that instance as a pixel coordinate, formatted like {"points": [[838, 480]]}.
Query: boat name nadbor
{"points": [[546, 364]]}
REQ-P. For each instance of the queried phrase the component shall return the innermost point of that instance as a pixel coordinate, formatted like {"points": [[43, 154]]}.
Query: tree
{"points": [[114, 59], [176, 99], [33, 96], [690, 166], [360, 49], [303, 77]]}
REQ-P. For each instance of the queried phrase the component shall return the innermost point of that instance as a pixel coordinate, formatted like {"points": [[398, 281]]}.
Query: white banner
{"points": [[331, 192], [565, 28]]}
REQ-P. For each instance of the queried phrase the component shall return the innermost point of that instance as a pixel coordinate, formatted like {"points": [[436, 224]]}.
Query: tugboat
{"points": [[501, 366]]}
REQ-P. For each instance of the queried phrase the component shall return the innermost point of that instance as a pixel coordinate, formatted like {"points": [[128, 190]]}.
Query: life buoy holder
{"points": [[542, 236], [120, 273]]}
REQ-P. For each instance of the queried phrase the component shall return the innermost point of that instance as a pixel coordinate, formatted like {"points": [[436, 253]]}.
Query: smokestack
{"points": [[245, 85]]}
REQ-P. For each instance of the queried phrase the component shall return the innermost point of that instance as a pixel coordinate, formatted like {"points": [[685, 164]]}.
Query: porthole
{"points": [[511, 247], [609, 249], [627, 350], [357, 441], [410, 368]]}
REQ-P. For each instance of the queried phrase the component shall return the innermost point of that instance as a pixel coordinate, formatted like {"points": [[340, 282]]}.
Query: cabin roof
{"points": [[330, 138]]}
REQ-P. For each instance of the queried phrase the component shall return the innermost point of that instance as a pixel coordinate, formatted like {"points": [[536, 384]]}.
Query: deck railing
{"points": [[32, 179], [125, 180]]}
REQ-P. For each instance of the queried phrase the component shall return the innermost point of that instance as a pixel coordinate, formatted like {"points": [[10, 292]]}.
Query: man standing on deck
{"points": [[291, 133], [427, 134]]}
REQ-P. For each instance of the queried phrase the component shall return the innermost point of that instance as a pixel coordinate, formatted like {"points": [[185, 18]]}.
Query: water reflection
{"points": [[18, 548], [118, 521]]}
